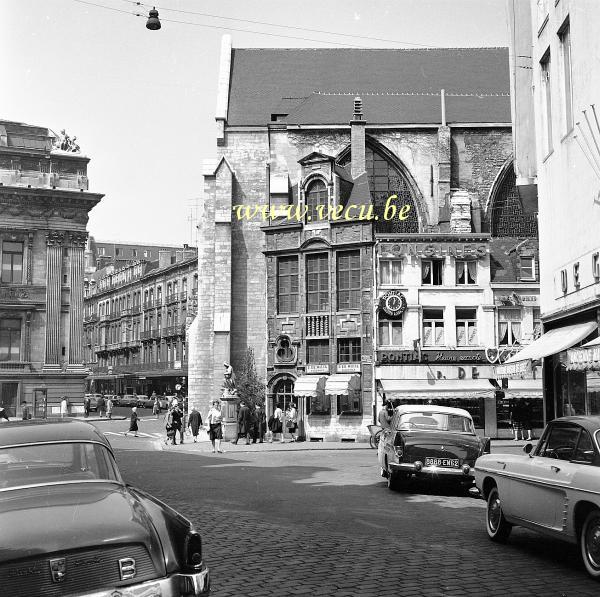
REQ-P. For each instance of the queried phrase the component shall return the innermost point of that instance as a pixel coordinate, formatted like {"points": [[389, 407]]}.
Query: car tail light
{"points": [[193, 551], [399, 445]]}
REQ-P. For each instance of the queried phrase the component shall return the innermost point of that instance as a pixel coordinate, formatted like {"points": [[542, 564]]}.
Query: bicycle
{"points": [[375, 431]]}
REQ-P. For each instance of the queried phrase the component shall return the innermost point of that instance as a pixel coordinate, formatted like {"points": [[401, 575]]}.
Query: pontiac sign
{"points": [[393, 357]]}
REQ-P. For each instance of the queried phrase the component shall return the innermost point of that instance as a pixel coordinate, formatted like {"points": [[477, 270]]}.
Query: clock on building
{"points": [[393, 303]]}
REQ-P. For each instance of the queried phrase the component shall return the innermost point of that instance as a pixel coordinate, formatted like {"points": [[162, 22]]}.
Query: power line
{"points": [[296, 28]]}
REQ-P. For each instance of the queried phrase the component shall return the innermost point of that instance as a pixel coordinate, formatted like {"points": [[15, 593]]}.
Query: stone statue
{"points": [[229, 376], [65, 143]]}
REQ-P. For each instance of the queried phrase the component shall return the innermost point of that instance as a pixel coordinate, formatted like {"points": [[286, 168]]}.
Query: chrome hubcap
{"points": [[592, 542], [494, 513]]}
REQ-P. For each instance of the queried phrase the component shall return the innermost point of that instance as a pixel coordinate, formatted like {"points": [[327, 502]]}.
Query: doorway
{"points": [[40, 404]]}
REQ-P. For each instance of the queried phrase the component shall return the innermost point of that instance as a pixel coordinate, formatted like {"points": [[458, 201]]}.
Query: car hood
{"points": [[72, 516]]}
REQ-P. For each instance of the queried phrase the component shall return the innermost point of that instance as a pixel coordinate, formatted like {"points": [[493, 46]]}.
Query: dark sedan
{"points": [[71, 526], [434, 442]]}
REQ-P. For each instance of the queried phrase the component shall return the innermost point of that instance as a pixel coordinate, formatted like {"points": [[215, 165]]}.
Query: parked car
{"points": [[553, 488], [93, 400], [67, 517], [162, 402], [141, 400], [128, 400], [434, 442]]}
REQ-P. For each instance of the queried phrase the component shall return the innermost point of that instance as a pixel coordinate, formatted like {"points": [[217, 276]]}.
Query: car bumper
{"points": [[433, 471], [176, 585]]}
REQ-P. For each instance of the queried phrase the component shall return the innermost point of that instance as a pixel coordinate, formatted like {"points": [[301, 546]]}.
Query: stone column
{"points": [[76, 273], [29, 266], [54, 251]]}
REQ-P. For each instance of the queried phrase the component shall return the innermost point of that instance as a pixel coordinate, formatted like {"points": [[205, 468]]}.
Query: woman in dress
{"points": [[194, 423], [215, 430], [277, 424], [133, 422], [291, 424]]}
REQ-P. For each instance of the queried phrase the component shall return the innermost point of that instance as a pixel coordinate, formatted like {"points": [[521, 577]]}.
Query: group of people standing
{"points": [[279, 418]]}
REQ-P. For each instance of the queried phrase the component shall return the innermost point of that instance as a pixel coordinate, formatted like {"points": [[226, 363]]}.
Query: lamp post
{"points": [[153, 22]]}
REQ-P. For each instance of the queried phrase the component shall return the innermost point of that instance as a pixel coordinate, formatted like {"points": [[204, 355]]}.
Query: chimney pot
{"points": [[358, 113]]}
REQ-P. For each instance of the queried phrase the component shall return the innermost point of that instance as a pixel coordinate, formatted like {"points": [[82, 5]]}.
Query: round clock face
{"points": [[393, 303]]}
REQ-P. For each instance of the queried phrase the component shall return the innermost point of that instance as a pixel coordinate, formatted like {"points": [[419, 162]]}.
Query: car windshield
{"points": [[435, 421], [41, 464]]}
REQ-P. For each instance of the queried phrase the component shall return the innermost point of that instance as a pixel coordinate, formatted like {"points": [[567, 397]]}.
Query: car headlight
{"points": [[193, 551]]}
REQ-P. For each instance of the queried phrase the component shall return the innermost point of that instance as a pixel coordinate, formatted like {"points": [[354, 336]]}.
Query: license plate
{"points": [[445, 462]]}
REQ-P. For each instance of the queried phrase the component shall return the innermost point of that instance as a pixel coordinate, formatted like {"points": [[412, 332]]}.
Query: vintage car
{"points": [[553, 489], [433, 442], [71, 526], [128, 400]]}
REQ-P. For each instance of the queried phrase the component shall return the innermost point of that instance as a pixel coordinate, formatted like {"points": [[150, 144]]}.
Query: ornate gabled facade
{"points": [[419, 146], [44, 206]]}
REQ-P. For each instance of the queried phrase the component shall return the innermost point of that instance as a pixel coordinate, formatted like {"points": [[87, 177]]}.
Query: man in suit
{"points": [[244, 420]]}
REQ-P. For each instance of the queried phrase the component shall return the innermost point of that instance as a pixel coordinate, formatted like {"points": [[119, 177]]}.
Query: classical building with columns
{"points": [[44, 206], [395, 145]]}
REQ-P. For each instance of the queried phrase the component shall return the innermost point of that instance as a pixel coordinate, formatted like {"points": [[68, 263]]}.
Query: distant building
{"points": [[101, 254], [135, 323], [44, 206], [555, 46]]}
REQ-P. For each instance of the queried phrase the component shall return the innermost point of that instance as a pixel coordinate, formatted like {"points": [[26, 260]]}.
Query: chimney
{"points": [[164, 257], [357, 140]]}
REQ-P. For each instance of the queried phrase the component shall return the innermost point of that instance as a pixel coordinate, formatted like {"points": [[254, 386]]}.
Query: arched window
{"points": [[506, 216], [385, 180], [283, 393], [316, 195]]}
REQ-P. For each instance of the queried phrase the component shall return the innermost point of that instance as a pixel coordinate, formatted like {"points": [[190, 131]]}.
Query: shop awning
{"points": [[585, 358], [310, 385], [340, 383], [551, 342], [524, 388], [417, 389]]}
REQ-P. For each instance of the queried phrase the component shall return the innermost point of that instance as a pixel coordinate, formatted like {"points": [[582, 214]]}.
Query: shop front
{"points": [[569, 374]]}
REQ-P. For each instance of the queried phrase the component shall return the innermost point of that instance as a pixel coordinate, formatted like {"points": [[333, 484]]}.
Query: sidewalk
{"points": [[79, 418]]}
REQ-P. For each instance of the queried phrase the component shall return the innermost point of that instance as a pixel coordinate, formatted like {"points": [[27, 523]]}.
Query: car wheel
{"points": [[590, 543], [497, 527]]}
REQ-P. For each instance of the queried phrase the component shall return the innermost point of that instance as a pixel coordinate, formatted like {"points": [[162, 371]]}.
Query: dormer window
{"points": [[316, 201]]}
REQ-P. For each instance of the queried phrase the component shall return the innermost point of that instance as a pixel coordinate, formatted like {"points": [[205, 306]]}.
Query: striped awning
{"points": [[443, 389], [341, 383], [310, 385], [551, 342]]}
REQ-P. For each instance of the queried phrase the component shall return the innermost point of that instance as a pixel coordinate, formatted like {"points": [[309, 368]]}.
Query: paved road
{"points": [[324, 523]]}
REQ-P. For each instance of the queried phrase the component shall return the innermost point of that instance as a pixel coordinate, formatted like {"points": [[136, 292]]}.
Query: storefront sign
{"points": [[581, 359], [317, 368], [348, 368], [393, 357], [513, 369], [460, 250], [366, 358], [517, 300]]}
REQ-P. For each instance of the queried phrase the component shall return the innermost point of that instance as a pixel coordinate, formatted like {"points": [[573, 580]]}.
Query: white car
{"points": [[553, 489]]}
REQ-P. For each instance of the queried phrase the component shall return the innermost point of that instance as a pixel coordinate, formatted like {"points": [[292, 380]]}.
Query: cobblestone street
{"points": [[324, 523]]}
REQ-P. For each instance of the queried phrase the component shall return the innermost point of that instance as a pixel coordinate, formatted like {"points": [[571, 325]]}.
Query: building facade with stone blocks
{"points": [[44, 206], [135, 324], [432, 131]]}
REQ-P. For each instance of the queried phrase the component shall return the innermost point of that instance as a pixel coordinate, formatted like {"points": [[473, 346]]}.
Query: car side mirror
{"points": [[527, 448]]}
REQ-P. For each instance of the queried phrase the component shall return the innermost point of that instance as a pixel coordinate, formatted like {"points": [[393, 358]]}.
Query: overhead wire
{"points": [[293, 27], [244, 30]]}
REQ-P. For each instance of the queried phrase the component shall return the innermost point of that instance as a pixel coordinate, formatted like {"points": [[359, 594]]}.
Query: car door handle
{"points": [[502, 463], [555, 468]]}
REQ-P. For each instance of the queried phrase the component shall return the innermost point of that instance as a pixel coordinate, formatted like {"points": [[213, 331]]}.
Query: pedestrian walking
{"points": [[25, 410], [385, 415], [214, 420], [133, 422], [526, 416], [291, 421], [101, 406], [277, 424], [177, 421], [169, 426], [109, 407], [260, 427], [87, 403], [155, 405], [516, 417], [64, 407], [194, 423], [3, 413], [244, 422]]}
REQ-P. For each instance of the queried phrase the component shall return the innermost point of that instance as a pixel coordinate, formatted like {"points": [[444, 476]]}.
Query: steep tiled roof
{"points": [[504, 257], [272, 81]]}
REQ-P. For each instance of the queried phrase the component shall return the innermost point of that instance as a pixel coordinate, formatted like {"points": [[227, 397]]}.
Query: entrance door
{"points": [[283, 396], [40, 404], [9, 392]]}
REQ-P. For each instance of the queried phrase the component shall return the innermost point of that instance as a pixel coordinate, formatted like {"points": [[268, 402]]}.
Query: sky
{"points": [[142, 103]]}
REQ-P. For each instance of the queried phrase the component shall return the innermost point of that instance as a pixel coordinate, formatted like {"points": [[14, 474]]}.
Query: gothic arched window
{"points": [[385, 180], [506, 216]]}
